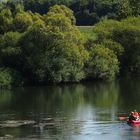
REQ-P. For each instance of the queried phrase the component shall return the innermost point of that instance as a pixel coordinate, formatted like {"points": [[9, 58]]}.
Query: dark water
{"points": [[86, 111]]}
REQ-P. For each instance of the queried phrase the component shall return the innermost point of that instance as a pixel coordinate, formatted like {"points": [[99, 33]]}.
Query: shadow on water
{"points": [[78, 111]]}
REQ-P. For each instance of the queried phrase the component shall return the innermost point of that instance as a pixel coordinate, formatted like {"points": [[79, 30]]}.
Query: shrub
{"points": [[9, 78], [103, 63]]}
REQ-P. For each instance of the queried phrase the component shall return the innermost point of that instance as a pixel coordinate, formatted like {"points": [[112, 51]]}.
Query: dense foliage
{"points": [[49, 48], [103, 63], [42, 49], [9, 77], [5, 78], [123, 38], [87, 12]]}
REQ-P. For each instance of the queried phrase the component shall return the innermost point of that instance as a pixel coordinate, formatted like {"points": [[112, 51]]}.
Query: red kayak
{"points": [[133, 121]]}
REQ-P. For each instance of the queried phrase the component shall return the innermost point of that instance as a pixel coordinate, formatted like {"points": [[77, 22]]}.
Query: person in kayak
{"points": [[134, 115], [131, 116]]}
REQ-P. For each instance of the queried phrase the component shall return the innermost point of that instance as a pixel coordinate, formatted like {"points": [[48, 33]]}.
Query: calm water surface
{"points": [[86, 111]]}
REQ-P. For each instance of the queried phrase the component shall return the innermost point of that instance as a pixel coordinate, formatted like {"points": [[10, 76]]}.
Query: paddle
{"points": [[123, 118]]}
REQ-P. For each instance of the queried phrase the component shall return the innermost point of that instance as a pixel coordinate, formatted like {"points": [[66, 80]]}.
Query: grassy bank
{"points": [[87, 31]]}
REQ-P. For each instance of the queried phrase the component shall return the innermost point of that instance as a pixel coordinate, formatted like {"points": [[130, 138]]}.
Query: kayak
{"points": [[133, 121]]}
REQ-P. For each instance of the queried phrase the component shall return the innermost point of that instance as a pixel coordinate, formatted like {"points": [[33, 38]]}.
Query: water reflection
{"points": [[130, 94], [78, 111], [59, 99]]}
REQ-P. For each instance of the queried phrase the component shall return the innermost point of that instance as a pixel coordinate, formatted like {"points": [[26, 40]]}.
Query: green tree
{"points": [[5, 78], [5, 20], [135, 6], [129, 37], [114, 46], [14, 6], [57, 51], [33, 45], [18, 8], [36, 17], [9, 49], [105, 28], [103, 64], [66, 55], [22, 21], [9, 78], [62, 9], [131, 21], [124, 9]]}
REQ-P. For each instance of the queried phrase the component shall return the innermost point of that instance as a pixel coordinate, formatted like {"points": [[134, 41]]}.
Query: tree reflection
{"points": [[60, 98], [69, 106]]}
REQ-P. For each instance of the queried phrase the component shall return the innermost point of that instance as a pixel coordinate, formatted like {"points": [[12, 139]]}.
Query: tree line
{"points": [[40, 49], [87, 12], [49, 48]]}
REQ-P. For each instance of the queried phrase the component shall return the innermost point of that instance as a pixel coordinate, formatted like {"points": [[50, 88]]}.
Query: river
{"points": [[87, 111]]}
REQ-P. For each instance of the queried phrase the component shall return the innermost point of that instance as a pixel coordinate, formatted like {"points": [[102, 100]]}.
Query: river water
{"points": [[87, 111]]}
